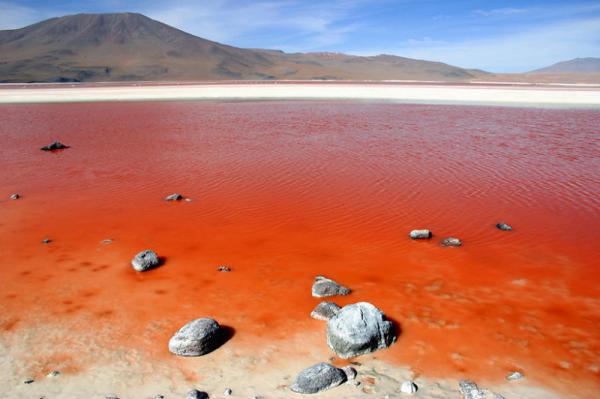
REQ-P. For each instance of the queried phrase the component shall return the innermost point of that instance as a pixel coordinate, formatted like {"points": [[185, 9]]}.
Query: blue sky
{"points": [[498, 36]]}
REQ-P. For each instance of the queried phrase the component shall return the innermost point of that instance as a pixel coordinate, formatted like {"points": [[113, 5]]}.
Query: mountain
{"points": [[577, 65], [129, 46]]}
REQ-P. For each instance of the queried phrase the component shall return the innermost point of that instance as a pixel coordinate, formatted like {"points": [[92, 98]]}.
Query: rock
{"points": [[145, 260], [409, 387], [53, 373], [46, 241], [29, 381], [325, 311], [196, 394], [358, 329], [470, 390], [227, 392], [223, 268], [318, 378], [57, 145], [503, 226], [107, 241], [419, 234], [15, 196], [350, 372], [323, 287], [515, 375], [196, 338], [174, 197], [159, 396], [451, 242]]}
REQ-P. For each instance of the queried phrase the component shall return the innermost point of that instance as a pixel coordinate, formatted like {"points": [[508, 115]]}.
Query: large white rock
{"points": [[318, 378], [145, 260], [358, 329], [196, 338]]}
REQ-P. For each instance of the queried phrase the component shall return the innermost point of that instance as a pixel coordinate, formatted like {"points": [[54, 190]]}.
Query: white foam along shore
{"points": [[530, 96]]}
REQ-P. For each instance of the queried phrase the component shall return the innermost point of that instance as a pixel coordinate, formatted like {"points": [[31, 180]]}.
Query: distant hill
{"points": [[577, 65], [128, 47]]}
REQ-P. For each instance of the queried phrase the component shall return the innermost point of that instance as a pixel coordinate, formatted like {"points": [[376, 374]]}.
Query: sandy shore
{"points": [[543, 96]]}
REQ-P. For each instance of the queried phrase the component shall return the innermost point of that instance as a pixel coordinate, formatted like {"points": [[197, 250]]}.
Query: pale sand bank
{"points": [[476, 95]]}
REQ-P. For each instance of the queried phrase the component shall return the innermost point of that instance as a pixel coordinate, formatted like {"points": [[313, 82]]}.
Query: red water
{"points": [[283, 191]]}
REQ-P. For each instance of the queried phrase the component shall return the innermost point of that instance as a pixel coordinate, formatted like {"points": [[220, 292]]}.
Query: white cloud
{"points": [[500, 12], [517, 52]]}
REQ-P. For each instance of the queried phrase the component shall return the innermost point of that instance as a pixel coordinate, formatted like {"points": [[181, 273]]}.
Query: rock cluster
{"points": [[358, 329], [196, 338], [324, 287], [318, 378], [57, 145], [145, 260]]}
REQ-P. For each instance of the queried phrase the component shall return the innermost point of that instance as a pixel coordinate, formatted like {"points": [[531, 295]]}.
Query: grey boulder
{"points": [[420, 234], [504, 226], [318, 378], [325, 311], [451, 242], [174, 197], [323, 287], [196, 338], [145, 260], [57, 145], [358, 329], [196, 394], [15, 196]]}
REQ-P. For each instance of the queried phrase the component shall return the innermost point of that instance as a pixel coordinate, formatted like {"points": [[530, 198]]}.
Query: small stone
{"points": [[46, 241], [515, 375], [145, 260], [325, 311], [504, 226], [29, 381], [564, 364], [350, 372], [53, 373], [196, 394], [159, 397], [420, 234], [174, 197], [188, 200], [107, 241], [318, 378], [358, 329], [451, 242], [224, 268], [196, 338], [409, 387], [57, 145], [323, 287], [356, 383], [15, 196], [227, 392]]}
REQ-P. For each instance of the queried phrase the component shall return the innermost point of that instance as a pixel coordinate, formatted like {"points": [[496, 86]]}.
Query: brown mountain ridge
{"points": [[133, 47]]}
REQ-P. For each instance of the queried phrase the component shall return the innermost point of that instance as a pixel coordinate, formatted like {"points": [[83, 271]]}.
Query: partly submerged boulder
{"points": [[323, 287], [504, 226], [57, 145], [174, 197], [420, 234], [358, 329], [318, 378], [145, 260], [325, 311], [196, 338], [451, 242], [15, 196]]}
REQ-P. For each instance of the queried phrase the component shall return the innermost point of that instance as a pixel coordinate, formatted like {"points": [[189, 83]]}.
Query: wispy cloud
{"points": [[500, 12]]}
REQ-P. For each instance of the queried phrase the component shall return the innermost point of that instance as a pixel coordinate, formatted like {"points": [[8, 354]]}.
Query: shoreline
{"points": [[419, 93]]}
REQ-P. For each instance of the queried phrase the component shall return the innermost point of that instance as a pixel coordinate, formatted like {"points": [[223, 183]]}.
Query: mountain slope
{"points": [[577, 65], [128, 46]]}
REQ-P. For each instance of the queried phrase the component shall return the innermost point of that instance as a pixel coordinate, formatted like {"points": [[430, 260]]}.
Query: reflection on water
{"points": [[284, 191]]}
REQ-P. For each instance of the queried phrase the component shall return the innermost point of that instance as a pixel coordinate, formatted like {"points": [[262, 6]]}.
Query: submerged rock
{"points": [[196, 338], [451, 242], [515, 375], [420, 234], [145, 260], [409, 387], [323, 287], [325, 311], [15, 196], [358, 329], [318, 378], [46, 241], [196, 394], [224, 268], [174, 197], [57, 145], [504, 226]]}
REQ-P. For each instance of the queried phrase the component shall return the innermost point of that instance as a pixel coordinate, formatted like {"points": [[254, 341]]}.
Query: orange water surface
{"points": [[283, 191]]}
